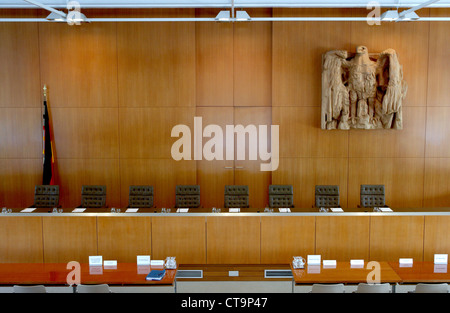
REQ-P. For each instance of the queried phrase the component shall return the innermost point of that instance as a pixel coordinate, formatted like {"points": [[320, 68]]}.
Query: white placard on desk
{"points": [[143, 260], [234, 210], [28, 210], [405, 262], [440, 258], [356, 263], [80, 210], [182, 210], [157, 263], [329, 263], [314, 259], [110, 263], [131, 210], [336, 210], [284, 210], [385, 209], [95, 260]]}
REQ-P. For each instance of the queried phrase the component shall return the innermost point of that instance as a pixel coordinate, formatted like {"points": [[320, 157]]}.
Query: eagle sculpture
{"points": [[361, 90]]}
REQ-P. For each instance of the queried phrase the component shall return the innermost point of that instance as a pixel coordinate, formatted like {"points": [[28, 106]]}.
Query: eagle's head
{"points": [[361, 50]]}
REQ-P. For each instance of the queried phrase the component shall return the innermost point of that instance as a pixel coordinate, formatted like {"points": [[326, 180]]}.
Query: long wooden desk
{"points": [[55, 274], [422, 272]]}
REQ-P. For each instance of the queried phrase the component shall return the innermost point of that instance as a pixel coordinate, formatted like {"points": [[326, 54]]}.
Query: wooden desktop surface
{"points": [[342, 273], [422, 272], [56, 274]]}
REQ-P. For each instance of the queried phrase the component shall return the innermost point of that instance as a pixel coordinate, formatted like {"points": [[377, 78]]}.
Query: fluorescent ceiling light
{"points": [[389, 16], [223, 16], [242, 16]]}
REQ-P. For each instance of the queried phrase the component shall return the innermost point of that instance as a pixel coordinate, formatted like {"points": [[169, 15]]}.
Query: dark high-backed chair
{"points": [[93, 196], [140, 197], [281, 196], [327, 196], [187, 196], [372, 196], [236, 196], [46, 196]]}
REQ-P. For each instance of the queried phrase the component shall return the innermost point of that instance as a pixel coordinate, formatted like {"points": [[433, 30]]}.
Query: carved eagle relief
{"points": [[361, 90]]}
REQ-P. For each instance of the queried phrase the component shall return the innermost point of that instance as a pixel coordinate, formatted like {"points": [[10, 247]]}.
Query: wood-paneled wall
{"points": [[117, 89]]}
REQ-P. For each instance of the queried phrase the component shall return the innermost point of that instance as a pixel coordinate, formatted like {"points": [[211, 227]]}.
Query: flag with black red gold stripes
{"points": [[47, 153]]}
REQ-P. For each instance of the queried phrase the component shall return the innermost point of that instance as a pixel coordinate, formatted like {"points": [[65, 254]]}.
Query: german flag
{"points": [[47, 153]]}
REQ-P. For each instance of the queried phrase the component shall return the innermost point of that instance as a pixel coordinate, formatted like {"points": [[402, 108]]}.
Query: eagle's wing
{"points": [[334, 92], [390, 80]]}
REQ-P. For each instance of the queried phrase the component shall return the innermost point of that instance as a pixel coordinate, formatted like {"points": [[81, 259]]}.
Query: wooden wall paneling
{"points": [[74, 173], [146, 132], [69, 238], [213, 175], [156, 61], [21, 240], [79, 64], [248, 172], [436, 183], [20, 83], [409, 40], [21, 133], [403, 179], [233, 240], [252, 61], [162, 174], [408, 142], [18, 179], [438, 65], [342, 238], [394, 237], [85, 132], [305, 173], [181, 237], [297, 54], [284, 237], [123, 238], [438, 132], [214, 61], [301, 135], [436, 237]]}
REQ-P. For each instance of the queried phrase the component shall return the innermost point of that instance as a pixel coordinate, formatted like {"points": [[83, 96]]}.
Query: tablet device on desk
{"points": [[156, 275]]}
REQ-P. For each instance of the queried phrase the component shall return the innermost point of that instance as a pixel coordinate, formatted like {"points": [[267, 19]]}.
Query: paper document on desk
{"points": [[28, 210], [131, 210], [284, 210]]}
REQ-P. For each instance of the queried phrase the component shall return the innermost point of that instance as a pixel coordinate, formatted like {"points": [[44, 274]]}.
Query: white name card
{"points": [[143, 260], [182, 210], [440, 258], [28, 210], [95, 260], [131, 210], [234, 210], [385, 210], [157, 263], [356, 263], [336, 210], [405, 262], [314, 259], [284, 210], [329, 263], [110, 263], [80, 210]]}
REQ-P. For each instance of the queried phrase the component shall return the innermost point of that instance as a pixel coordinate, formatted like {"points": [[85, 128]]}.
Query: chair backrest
{"points": [[327, 288], [327, 196], [140, 197], [101, 288], [46, 196], [93, 196], [236, 196], [281, 196], [187, 196], [29, 289], [373, 288], [431, 288], [372, 196]]}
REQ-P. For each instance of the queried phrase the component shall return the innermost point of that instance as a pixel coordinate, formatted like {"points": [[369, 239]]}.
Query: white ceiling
{"points": [[220, 3]]}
